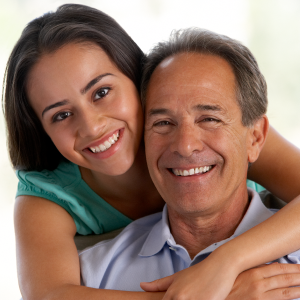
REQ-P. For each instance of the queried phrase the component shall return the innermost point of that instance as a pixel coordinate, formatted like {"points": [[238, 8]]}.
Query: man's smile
{"points": [[192, 171]]}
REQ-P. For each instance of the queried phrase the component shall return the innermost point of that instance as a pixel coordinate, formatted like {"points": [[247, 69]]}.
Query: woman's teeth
{"points": [[189, 172], [106, 145]]}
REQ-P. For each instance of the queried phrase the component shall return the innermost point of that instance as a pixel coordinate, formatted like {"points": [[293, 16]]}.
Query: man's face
{"points": [[196, 146]]}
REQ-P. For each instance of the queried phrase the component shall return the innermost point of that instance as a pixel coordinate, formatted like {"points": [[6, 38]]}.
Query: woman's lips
{"points": [[106, 140], [106, 144], [111, 142]]}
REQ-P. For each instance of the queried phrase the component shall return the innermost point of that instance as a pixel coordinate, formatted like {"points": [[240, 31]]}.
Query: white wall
{"points": [[270, 28]]}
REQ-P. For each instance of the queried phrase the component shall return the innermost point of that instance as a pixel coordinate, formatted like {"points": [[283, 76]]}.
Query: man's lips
{"points": [[191, 171]]}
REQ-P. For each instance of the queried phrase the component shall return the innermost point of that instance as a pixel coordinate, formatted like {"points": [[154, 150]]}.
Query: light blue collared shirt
{"points": [[146, 250]]}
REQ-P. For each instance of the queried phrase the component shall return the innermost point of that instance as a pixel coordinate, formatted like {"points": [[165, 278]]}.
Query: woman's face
{"points": [[88, 107]]}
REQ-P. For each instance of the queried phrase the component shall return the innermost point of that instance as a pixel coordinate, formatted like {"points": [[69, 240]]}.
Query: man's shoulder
{"points": [[98, 259], [131, 232]]}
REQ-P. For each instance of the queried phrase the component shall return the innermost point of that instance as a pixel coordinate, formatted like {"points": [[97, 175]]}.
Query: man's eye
{"points": [[101, 93], [61, 116], [210, 120], [162, 123], [163, 127]]}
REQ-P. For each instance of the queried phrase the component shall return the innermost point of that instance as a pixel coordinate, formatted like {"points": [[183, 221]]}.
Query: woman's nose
{"points": [[91, 124]]}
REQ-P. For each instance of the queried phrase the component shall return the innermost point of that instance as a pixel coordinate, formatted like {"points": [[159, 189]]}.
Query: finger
{"points": [[286, 293], [278, 269], [282, 281], [159, 285]]}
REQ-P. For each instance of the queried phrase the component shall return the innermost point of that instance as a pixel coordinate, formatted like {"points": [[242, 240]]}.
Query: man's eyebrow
{"points": [[162, 111], [93, 82], [158, 111], [57, 104], [207, 107]]}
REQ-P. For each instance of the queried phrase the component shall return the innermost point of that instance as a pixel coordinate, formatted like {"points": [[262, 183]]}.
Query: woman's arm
{"points": [[47, 258], [277, 169]]}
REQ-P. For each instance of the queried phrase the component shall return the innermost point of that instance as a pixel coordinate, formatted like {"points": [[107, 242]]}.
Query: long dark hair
{"points": [[30, 148]]}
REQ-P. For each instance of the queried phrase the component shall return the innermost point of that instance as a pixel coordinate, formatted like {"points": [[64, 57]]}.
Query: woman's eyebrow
{"points": [[57, 104], [93, 82]]}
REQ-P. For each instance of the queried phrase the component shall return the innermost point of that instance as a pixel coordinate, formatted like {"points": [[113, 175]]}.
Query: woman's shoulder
{"points": [[65, 174], [65, 187], [53, 185]]}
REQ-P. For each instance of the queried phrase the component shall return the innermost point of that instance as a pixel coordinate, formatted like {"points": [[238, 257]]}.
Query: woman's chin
{"points": [[114, 169]]}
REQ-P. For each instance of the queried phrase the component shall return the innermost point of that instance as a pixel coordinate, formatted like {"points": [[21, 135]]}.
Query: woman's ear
{"points": [[257, 137]]}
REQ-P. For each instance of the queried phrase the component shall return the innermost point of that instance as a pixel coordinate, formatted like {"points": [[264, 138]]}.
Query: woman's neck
{"points": [[132, 193]]}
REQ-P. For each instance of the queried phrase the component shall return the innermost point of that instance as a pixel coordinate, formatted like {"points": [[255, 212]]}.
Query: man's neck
{"points": [[197, 231]]}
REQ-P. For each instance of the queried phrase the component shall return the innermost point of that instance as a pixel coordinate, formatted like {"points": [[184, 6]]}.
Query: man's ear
{"points": [[257, 137]]}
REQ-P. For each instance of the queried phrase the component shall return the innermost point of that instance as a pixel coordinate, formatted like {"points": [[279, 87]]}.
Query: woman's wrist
{"points": [[228, 259]]}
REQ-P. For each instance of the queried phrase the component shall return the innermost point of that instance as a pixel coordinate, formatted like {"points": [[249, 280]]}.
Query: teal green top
{"points": [[255, 186], [65, 187]]}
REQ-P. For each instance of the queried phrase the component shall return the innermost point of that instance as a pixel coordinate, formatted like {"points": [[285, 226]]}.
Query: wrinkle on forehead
{"points": [[188, 98], [196, 77], [203, 62], [208, 90]]}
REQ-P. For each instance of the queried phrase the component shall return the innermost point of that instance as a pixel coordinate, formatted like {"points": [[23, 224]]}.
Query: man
{"points": [[205, 102]]}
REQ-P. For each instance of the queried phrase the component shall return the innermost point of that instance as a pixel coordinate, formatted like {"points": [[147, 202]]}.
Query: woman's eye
{"points": [[101, 93], [61, 116]]}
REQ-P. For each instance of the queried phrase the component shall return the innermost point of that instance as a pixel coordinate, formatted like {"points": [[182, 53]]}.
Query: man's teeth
{"points": [[189, 172], [106, 145]]}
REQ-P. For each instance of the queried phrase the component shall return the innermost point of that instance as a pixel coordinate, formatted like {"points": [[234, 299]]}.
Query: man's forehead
{"points": [[193, 62], [193, 79]]}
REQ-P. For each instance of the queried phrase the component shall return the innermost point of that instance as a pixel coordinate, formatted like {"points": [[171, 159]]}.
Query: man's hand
{"points": [[269, 282]]}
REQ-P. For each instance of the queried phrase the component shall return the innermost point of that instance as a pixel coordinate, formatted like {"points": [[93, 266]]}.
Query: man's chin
{"points": [[188, 202]]}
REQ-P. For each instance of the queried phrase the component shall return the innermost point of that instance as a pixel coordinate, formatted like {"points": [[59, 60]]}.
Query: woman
{"points": [[75, 126]]}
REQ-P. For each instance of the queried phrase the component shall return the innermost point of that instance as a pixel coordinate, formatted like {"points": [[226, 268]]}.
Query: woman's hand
{"points": [[207, 280], [269, 282]]}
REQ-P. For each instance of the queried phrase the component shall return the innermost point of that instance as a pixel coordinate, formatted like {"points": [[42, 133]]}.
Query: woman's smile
{"points": [[88, 107], [105, 143], [106, 146]]}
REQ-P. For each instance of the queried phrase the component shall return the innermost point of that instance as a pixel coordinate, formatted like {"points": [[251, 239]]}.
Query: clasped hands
{"points": [[266, 282]]}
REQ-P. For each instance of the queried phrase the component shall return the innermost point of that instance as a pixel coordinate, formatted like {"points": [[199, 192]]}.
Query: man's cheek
{"points": [[152, 148], [153, 141]]}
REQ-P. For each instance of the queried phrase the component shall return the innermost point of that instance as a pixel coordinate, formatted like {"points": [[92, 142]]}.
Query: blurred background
{"points": [[270, 28]]}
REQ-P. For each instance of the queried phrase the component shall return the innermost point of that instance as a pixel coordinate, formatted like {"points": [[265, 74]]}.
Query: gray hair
{"points": [[251, 88]]}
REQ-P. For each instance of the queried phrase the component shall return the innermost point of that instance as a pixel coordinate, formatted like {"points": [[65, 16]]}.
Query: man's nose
{"points": [[187, 140], [90, 124]]}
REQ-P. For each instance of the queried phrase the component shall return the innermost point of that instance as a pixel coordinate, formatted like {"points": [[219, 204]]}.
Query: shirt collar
{"points": [[256, 213], [158, 236]]}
